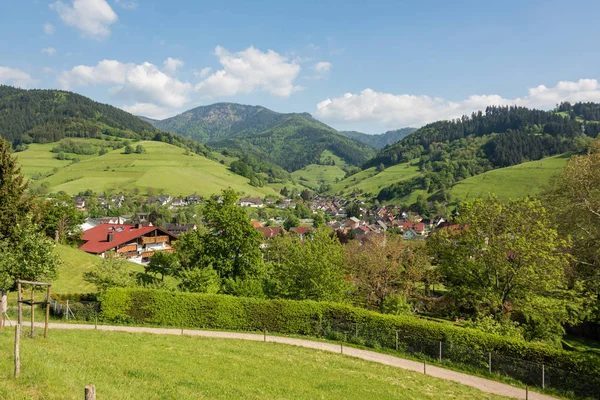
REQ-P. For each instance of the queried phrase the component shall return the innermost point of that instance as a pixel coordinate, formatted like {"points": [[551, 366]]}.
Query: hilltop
{"points": [[291, 141], [46, 116]]}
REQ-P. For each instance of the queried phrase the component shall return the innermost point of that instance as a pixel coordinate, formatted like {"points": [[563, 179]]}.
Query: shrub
{"points": [[332, 320]]}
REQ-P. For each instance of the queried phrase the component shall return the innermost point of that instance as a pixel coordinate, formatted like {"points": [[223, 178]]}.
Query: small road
{"points": [[482, 384]]}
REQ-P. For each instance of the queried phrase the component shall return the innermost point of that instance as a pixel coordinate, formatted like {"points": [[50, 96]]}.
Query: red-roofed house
{"points": [[271, 231], [133, 241], [301, 231]]}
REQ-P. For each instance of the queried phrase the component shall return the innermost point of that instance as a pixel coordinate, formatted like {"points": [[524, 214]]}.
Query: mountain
{"points": [[381, 140], [448, 152], [291, 141], [45, 116]]}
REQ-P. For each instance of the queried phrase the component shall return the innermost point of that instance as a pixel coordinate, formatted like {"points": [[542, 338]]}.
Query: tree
{"points": [[200, 280], [574, 201], [507, 259], [14, 204], [385, 267], [128, 149], [318, 220], [139, 149], [230, 244], [163, 263], [60, 217], [291, 222], [353, 210], [306, 195], [28, 256], [302, 211], [111, 272], [311, 269], [381, 167]]}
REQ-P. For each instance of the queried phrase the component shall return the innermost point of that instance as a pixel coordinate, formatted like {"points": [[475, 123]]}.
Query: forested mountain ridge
{"points": [[381, 140], [291, 141], [45, 116], [449, 151]]}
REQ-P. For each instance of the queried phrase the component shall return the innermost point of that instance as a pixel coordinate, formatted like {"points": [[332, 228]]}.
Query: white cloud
{"points": [[15, 77], [416, 110], [92, 17], [203, 73], [48, 70], [49, 29], [171, 65], [49, 50], [144, 83], [128, 4], [322, 67], [150, 110], [251, 70]]}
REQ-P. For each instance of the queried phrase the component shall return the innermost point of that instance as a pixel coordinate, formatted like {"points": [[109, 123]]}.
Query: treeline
{"points": [[46, 116], [449, 151]]}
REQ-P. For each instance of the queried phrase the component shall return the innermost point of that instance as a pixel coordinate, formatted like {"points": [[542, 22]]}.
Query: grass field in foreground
{"points": [[512, 182], [145, 366], [164, 167]]}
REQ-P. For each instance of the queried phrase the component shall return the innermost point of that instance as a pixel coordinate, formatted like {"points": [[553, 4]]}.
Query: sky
{"points": [[355, 65]]}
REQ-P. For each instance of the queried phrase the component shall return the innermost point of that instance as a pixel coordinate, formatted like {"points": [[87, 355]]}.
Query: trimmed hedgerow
{"points": [[210, 311]]}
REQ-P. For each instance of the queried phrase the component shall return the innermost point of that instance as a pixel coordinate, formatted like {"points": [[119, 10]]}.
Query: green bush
{"points": [[320, 319]]}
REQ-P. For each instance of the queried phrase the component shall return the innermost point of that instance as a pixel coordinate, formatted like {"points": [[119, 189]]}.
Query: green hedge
{"points": [[311, 318]]}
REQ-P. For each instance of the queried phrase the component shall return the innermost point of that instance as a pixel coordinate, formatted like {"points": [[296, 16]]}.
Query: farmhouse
{"points": [[135, 242], [251, 202]]}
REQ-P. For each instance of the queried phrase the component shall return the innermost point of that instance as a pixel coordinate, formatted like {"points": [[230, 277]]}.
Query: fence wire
{"points": [[440, 352]]}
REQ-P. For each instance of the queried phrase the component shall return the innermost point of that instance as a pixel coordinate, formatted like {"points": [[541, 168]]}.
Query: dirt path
{"points": [[482, 384]]}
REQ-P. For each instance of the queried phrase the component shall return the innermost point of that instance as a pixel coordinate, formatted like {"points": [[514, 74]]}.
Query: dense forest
{"points": [[449, 151], [381, 140], [45, 116]]}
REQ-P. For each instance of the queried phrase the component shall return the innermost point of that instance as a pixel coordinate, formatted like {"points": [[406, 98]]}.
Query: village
{"points": [[136, 236]]}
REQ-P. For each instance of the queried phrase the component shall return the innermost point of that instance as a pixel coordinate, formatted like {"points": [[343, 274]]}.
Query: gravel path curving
{"points": [[482, 384]]}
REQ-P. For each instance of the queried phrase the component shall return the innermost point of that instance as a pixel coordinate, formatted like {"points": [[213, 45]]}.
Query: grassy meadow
{"points": [[146, 366], [163, 167], [370, 181], [512, 182]]}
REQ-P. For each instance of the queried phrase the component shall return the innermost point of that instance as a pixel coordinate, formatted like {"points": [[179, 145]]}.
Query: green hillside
{"points": [[45, 116], [146, 366], [330, 169], [291, 141], [369, 182], [511, 182], [381, 140], [163, 167], [449, 152]]}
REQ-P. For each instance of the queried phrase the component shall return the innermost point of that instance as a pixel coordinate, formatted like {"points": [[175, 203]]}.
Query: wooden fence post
{"points": [[90, 392], [32, 333], [19, 305], [17, 355], [3, 308], [47, 312]]}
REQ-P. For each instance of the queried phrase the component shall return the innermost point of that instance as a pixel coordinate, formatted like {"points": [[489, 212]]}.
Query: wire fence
{"points": [[442, 353]]}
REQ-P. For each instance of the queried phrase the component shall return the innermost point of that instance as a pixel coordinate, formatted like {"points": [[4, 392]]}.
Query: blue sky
{"points": [[356, 65]]}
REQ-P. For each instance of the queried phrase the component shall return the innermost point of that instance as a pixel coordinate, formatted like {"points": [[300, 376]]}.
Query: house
{"points": [[270, 232], [361, 230], [251, 202], [352, 223], [178, 202], [135, 242], [193, 199], [301, 231], [79, 202], [179, 229], [410, 234], [93, 222]]}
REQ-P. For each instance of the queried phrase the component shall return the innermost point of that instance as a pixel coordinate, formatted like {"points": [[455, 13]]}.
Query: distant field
{"points": [[145, 366], [369, 181], [164, 167], [314, 175], [511, 182]]}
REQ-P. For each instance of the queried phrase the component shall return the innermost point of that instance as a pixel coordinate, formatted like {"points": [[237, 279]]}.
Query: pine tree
{"points": [[14, 204]]}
